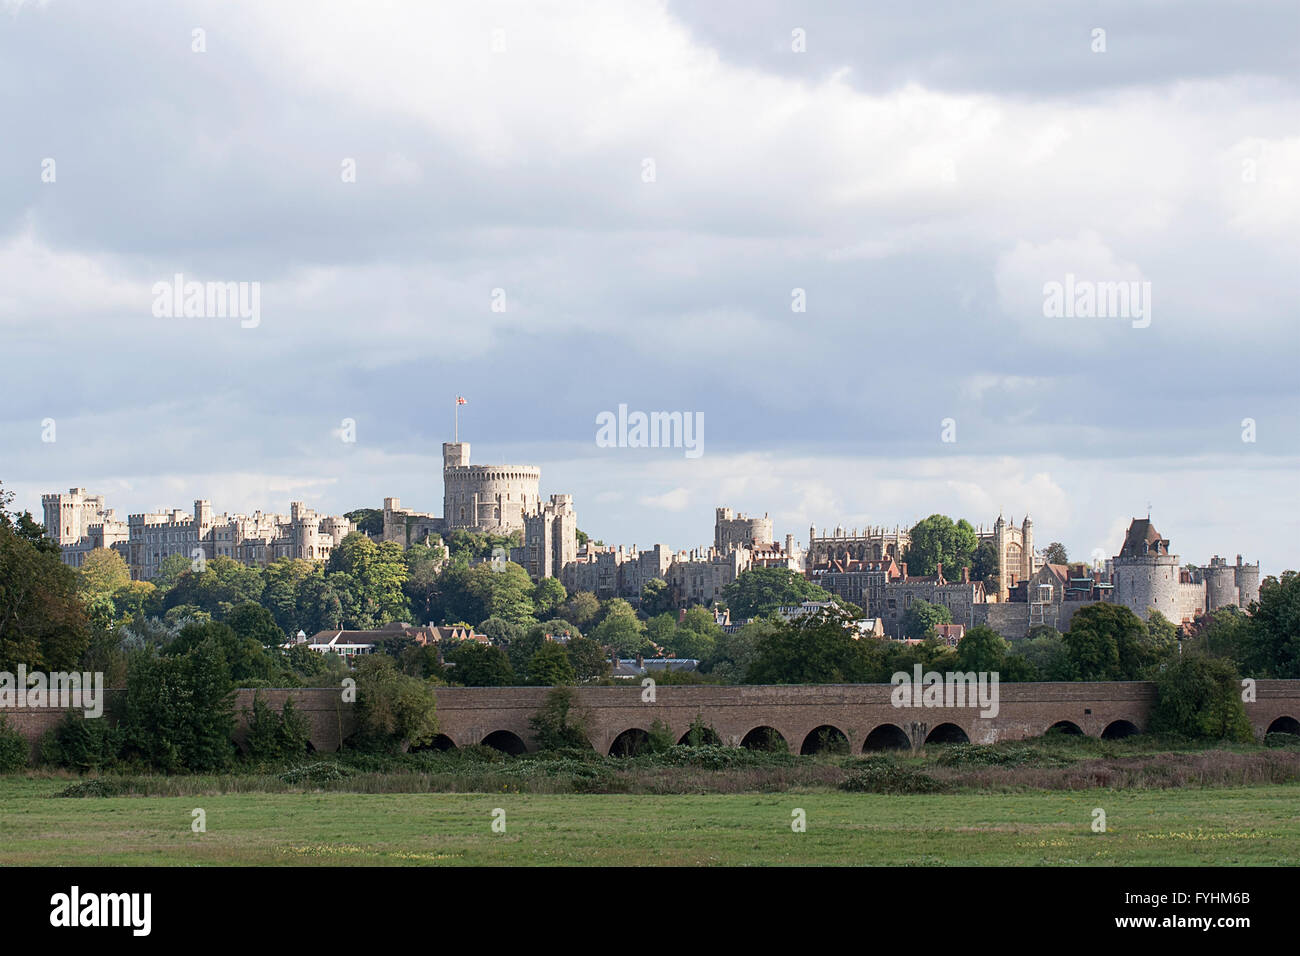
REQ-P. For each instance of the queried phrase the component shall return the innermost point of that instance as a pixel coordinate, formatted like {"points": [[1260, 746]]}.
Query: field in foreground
{"points": [[1227, 826]]}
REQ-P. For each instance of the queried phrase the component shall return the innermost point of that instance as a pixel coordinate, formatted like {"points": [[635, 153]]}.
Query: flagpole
{"points": [[458, 420]]}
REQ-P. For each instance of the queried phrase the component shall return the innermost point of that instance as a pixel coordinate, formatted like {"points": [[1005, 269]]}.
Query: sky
{"points": [[826, 229]]}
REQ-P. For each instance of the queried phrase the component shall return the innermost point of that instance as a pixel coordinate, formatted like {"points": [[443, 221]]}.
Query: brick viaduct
{"points": [[805, 716]]}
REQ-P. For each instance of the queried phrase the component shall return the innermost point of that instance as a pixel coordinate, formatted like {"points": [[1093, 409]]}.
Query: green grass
{"points": [[1222, 826]]}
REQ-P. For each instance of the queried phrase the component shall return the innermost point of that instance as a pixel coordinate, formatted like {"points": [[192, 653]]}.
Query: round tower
{"points": [[1220, 584], [1247, 576]]}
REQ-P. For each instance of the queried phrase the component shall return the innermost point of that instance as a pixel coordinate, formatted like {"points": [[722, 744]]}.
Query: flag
{"points": [[461, 401]]}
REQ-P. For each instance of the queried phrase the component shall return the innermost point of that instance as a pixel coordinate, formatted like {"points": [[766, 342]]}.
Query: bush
{"points": [[1281, 740], [885, 776], [180, 709], [13, 748], [661, 738], [79, 743], [315, 773], [1199, 697], [561, 723], [273, 736], [96, 787]]}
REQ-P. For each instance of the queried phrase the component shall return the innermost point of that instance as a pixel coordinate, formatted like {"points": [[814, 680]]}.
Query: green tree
{"points": [[103, 572], [982, 649], [180, 709], [479, 665], [254, 621], [1055, 553], [550, 666], [1274, 647], [760, 591], [393, 710], [815, 649], [939, 540], [1108, 642], [984, 565], [561, 722], [376, 576], [43, 622], [620, 629], [1046, 653], [1200, 697], [588, 659], [548, 595], [920, 619], [656, 598], [581, 608]]}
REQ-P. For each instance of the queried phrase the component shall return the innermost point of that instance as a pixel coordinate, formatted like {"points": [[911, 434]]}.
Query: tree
{"points": [[1107, 642], [815, 649], [581, 608], [760, 591], [550, 667], [393, 709], [588, 659], [1045, 651], [368, 520], [734, 654], [376, 575], [1055, 553], [1226, 633], [222, 584], [103, 572], [500, 632], [180, 709], [697, 635], [1200, 697], [43, 622], [282, 596], [984, 565], [254, 621], [981, 649], [920, 619], [939, 540], [1274, 648], [620, 628], [656, 598], [479, 665], [561, 722], [548, 595]]}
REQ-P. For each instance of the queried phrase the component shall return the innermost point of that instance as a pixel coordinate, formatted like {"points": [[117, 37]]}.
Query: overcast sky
{"points": [[919, 170]]}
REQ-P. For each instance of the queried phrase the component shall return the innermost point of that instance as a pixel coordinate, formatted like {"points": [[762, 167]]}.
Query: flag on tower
{"points": [[461, 401]]}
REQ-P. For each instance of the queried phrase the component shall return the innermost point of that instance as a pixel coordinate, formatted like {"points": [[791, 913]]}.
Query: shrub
{"points": [[180, 709], [561, 722], [320, 772], [885, 776], [79, 743], [13, 747], [661, 738], [273, 736], [1200, 697], [394, 710]]}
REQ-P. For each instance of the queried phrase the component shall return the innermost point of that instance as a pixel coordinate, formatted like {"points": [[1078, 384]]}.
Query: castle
{"points": [[493, 499], [80, 523], [1147, 577]]}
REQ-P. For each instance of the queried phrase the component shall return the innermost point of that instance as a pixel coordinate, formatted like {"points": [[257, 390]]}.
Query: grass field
{"points": [[1226, 826]]}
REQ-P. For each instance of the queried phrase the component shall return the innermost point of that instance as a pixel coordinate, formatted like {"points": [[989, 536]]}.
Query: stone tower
{"points": [[489, 498]]}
